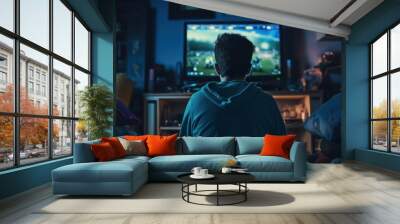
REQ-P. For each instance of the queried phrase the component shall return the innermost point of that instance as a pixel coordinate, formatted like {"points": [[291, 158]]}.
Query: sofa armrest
{"points": [[83, 152], [298, 155]]}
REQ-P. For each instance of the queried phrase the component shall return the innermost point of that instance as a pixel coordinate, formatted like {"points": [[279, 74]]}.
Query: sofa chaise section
{"points": [[271, 168], [87, 177], [101, 178]]}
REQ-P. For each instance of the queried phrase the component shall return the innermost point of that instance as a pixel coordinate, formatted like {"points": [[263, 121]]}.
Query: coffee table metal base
{"points": [[219, 193]]}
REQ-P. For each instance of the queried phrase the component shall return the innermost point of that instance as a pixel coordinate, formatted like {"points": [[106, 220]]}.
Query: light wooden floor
{"points": [[377, 188]]}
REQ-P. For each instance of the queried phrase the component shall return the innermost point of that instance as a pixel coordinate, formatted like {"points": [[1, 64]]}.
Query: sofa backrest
{"points": [[83, 152], [249, 145], [206, 145], [190, 146]]}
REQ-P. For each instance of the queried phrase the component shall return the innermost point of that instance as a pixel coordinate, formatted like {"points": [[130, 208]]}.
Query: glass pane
{"points": [[395, 132], [379, 56], [34, 24], [62, 29], [62, 89], [81, 131], [7, 14], [81, 45], [379, 135], [6, 74], [395, 47], [6, 142], [379, 97], [34, 92], [81, 81], [395, 95], [62, 138], [33, 139]]}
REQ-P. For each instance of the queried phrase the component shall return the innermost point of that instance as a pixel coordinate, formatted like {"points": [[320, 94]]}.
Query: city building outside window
{"points": [[56, 127], [3, 72], [30, 72], [30, 87], [37, 89], [3, 61], [43, 90], [55, 95], [3, 78]]}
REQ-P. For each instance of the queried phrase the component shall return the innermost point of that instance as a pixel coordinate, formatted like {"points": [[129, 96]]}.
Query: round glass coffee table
{"points": [[238, 179]]}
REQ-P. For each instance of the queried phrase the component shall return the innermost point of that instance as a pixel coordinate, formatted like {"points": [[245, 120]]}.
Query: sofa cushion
{"points": [[161, 145], [135, 147], [116, 145], [111, 171], [207, 145], [103, 152], [257, 163], [185, 163], [249, 145], [277, 145], [135, 137]]}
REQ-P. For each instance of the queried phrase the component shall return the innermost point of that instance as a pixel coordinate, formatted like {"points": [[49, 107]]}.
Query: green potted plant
{"points": [[96, 104]]}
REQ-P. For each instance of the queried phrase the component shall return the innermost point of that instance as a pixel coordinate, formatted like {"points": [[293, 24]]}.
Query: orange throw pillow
{"points": [[103, 152], [161, 145], [116, 145], [277, 145], [135, 137]]}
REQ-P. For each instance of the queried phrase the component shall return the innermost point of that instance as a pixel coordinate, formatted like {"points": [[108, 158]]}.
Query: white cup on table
{"points": [[196, 171], [203, 172]]}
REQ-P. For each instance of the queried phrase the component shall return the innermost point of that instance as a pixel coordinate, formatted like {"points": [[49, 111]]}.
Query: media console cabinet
{"points": [[163, 112]]}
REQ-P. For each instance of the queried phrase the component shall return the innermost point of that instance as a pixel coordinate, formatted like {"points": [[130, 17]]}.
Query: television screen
{"points": [[200, 39]]}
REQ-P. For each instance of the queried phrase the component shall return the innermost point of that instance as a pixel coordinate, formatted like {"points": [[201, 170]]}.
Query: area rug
{"points": [[166, 198]]}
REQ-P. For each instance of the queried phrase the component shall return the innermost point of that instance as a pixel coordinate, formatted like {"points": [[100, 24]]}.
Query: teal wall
{"points": [[103, 58], [356, 108], [380, 159], [103, 61], [103, 50], [24, 178]]}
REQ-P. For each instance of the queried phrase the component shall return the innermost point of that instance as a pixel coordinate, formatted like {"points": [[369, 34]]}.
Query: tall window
{"points": [[385, 91], [40, 55]]}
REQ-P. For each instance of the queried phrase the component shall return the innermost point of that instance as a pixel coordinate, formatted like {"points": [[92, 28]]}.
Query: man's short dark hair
{"points": [[233, 53]]}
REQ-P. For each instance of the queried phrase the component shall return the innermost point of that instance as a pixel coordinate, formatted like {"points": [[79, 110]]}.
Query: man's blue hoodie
{"points": [[232, 108]]}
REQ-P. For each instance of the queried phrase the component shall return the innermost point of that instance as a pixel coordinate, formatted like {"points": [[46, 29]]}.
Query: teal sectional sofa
{"points": [[125, 176]]}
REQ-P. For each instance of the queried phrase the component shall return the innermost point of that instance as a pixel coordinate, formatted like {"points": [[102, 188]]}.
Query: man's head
{"points": [[233, 53]]}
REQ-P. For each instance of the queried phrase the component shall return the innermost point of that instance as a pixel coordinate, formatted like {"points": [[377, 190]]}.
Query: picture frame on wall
{"points": [[181, 12]]}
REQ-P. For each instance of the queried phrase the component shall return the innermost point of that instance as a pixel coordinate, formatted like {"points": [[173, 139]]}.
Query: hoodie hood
{"points": [[229, 93]]}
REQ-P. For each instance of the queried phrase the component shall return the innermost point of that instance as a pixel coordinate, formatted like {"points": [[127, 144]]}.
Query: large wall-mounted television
{"points": [[199, 48]]}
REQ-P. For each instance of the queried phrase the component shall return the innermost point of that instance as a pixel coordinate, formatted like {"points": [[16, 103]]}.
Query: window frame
{"points": [[16, 114], [388, 74]]}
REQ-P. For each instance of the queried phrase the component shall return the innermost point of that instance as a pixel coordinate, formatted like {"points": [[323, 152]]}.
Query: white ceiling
{"points": [[314, 15], [319, 9]]}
